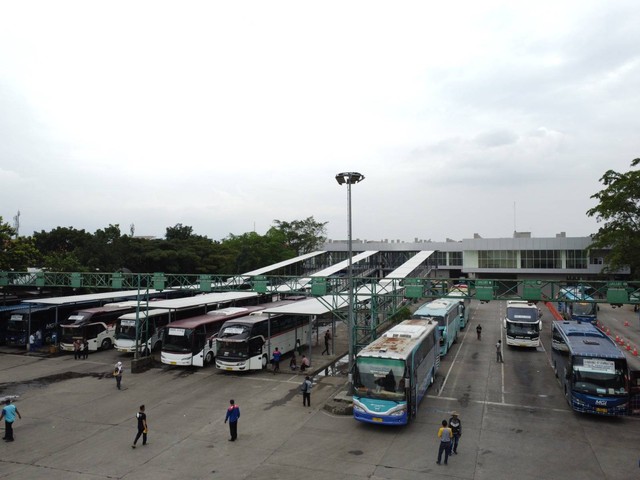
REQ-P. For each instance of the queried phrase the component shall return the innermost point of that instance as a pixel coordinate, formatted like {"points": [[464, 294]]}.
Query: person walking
{"points": [[275, 359], [306, 391], [444, 434], [9, 413], [32, 343], [80, 349], [233, 414], [76, 349], [456, 429], [38, 338], [327, 339], [142, 427], [479, 331], [499, 352], [86, 349], [117, 372]]}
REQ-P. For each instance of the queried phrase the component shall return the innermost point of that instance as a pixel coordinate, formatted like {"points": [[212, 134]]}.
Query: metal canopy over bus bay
{"points": [[91, 297]]}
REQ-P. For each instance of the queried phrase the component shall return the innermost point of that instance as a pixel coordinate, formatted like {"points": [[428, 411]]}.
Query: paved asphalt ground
{"points": [[516, 423]]}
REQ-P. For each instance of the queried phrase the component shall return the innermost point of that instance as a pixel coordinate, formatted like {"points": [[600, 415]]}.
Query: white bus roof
{"points": [[209, 298], [398, 341], [145, 313], [89, 297]]}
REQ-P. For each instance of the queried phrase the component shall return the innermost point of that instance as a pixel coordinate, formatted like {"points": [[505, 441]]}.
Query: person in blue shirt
{"points": [[9, 413], [276, 360], [233, 414]]}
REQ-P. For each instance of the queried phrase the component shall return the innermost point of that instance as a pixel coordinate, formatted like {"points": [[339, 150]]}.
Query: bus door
{"points": [[634, 392], [411, 387]]}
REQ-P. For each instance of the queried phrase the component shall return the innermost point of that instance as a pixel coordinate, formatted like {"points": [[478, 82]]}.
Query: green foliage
{"points": [[619, 209], [302, 236], [65, 249]]}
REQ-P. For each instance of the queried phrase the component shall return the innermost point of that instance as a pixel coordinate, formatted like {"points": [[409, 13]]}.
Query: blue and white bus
{"points": [[575, 304], [447, 312], [591, 368], [460, 292], [393, 372]]}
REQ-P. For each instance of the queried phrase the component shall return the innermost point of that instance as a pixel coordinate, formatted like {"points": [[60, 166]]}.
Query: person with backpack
{"points": [[305, 388], [456, 430]]}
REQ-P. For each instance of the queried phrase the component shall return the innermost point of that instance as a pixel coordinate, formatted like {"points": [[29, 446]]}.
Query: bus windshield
{"points": [[517, 328], [522, 315], [380, 378], [126, 330], [177, 340], [230, 348], [599, 376], [16, 325], [583, 308]]}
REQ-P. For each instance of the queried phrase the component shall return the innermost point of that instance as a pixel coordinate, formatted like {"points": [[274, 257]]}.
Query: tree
{"points": [[302, 236], [619, 209]]}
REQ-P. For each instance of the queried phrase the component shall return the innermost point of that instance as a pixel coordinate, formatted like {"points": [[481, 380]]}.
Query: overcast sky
{"points": [[464, 116]]}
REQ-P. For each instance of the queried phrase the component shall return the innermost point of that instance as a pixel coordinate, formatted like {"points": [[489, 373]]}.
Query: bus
{"points": [[591, 369], [108, 313], [393, 372], [246, 343], [522, 323], [151, 322], [97, 326], [31, 317], [447, 313], [575, 304], [191, 341], [460, 292]]}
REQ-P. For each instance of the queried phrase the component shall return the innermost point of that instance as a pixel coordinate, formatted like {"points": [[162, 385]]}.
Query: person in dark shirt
{"points": [[142, 427]]}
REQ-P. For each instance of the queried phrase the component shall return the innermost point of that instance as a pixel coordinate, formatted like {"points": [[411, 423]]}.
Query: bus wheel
{"points": [[433, 378], [208, 359], [264, 362], [106, 344]]}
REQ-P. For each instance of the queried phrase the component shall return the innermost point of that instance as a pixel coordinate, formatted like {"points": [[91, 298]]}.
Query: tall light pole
{"points": [[350, 178]]}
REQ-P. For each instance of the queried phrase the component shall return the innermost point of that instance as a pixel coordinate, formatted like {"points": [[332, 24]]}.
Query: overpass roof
{"points": [[284, 263]]}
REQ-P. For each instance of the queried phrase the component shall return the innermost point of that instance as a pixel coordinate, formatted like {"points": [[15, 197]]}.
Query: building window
{"points": [[496, 259], [540, 259], [576, 259], [441, 259], [455, 259]]}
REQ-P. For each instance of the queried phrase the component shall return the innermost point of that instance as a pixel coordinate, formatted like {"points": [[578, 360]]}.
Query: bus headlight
{"points": [[398, 413], [358, 408]]}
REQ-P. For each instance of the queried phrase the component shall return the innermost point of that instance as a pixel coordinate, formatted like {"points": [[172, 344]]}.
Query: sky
{"points": [[464, 116]]}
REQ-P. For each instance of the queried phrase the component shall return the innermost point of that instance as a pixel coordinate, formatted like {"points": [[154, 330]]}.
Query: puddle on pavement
{"points": [[17, 388], [339, 368]]}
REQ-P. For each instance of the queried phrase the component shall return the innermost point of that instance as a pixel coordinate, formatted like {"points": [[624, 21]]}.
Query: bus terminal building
{"points": [[521, 257]]}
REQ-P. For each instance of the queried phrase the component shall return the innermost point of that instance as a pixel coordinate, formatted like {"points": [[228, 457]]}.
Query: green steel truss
{"points": [[374, 305]]}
